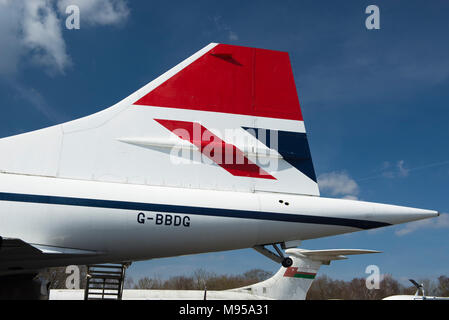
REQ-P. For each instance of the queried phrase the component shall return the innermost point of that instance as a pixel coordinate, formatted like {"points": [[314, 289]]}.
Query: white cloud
{"points": [[402, 171], [233, 36], [350, 197], [42, 35], [223, 27], [38, 102], [338, 184], [33, 29], [435, 223], [10, 48], [98, 12], [395, 171]]}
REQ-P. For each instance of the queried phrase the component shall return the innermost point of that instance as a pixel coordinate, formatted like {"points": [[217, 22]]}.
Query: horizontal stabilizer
{"points": [[327, 255]]}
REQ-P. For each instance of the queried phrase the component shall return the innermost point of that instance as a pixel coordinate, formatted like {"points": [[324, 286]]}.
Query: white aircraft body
{"points": [[417, 296], [414, 297], [291, 283], [210, 156]]}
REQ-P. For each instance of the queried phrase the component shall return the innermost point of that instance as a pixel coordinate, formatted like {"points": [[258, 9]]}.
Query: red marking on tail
{"points": [[216, 149], [232, 79], [291, 271]]}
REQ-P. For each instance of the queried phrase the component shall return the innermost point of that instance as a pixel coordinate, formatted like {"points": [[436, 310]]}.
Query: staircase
{"points": [[105, 282]]}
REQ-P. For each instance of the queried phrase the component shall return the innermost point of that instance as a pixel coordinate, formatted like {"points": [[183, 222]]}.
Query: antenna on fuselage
{"points": [[418, 287]]}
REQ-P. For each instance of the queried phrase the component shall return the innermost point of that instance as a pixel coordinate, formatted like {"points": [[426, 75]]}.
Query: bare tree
{"points": [[179, 283], [58, 277], [129, 282], [430, 287], [148, 283], [257, 275], [201, 277], [326, 288], [443, 286]]}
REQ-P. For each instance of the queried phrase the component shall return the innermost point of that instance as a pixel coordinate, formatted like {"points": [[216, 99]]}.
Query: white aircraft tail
{"points": [[293, 283], [226, 118]]}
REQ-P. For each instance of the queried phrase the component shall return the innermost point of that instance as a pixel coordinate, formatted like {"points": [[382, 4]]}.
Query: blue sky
{"points": [[375, 102]]}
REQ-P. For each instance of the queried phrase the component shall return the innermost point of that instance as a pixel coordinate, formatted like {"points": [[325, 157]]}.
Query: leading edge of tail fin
{"points": [[294, 282], [226, 118]]}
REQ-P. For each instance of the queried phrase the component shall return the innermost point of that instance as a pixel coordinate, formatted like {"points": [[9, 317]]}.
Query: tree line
{"points": [[325, 287], [322, 288]]}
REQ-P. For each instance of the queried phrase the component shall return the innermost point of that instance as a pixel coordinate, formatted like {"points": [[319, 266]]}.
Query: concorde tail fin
{"points": [[226, 118]]}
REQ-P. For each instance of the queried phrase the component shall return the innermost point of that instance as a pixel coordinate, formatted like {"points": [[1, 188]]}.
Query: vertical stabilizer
{"points": [[293, 283], [226, 118]]}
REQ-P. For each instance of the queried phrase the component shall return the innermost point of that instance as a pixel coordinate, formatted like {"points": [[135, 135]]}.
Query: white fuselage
{"points": [[124, 222], [415, 297], [134, 294]]}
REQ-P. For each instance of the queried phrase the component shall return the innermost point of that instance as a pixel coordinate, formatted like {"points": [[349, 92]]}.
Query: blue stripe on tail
{"points": [[292, 146]]}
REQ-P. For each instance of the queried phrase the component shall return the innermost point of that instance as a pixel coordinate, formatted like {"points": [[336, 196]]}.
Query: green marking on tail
{"points": [[304, 275]]}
